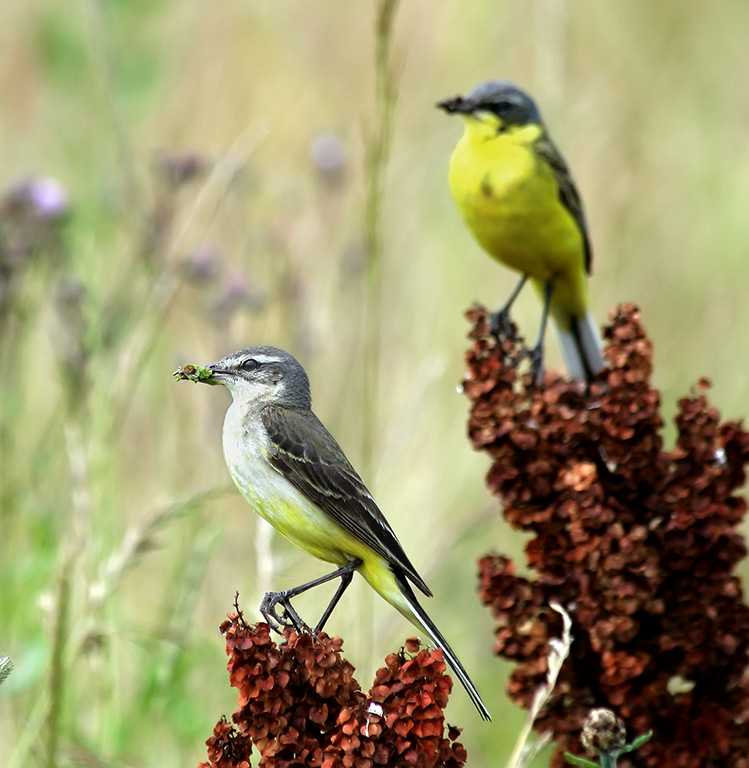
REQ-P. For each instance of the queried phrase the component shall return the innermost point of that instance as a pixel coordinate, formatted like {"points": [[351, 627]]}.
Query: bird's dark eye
{"points": [[503, 106], [249, 364]]}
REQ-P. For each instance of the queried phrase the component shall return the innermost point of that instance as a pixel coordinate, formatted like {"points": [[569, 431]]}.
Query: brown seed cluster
{"points": [[299, 705], [638, 543]]}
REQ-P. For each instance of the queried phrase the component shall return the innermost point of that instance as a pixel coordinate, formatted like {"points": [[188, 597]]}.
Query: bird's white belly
{"points": [[273, 497]]}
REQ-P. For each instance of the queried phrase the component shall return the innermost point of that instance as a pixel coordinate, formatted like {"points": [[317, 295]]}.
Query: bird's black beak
{"points": [[457, 104], [216, 371]]}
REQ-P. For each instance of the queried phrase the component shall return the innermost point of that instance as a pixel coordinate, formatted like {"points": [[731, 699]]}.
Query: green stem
{"points": [[57, 672], [378, 153]]}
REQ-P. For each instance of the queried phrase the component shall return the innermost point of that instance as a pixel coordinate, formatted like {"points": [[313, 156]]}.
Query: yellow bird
{"points": [[516, 195], [294, 474]]}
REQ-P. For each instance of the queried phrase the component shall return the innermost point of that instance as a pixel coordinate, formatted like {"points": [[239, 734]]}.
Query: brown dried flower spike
{"points": [[638, 543], [299, 705]]}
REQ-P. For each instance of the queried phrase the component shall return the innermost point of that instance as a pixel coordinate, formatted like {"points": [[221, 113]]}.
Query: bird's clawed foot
{"points": [[286, 618], [501, 327], [537, 367], [536, 356]]}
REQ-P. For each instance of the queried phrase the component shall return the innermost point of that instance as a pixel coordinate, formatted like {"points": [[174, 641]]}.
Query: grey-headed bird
{"points": [[294, 474], [518, 199]]}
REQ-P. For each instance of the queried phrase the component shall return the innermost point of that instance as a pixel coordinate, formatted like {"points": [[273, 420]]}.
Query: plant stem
{"points": [[378, 153], [57, 675]]}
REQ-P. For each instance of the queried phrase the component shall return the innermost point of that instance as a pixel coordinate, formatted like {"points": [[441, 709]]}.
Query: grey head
{"points": [[263, 375], [505, 100]]}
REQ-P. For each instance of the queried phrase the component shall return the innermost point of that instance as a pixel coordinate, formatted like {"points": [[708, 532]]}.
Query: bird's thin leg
{"points": [[537, 353], [500, 324], [289, 617], [345, 581]]}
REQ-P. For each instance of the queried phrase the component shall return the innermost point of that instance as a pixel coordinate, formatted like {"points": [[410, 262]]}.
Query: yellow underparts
{"points": [[306, 525], [509, 199]]}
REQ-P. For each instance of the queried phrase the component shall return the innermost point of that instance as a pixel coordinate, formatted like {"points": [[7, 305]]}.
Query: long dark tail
{"points": [[421, 619]]}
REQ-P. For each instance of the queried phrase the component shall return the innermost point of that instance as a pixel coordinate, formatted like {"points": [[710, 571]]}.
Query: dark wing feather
{"points": [[308, 456], [568, 194]]}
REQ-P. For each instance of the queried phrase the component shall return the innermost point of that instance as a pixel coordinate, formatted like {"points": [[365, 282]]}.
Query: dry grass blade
{"points": [[559, 649]]}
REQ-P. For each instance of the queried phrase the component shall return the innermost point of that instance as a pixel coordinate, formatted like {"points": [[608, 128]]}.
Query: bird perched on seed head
{"points": [[294, 474], [517, 197]]}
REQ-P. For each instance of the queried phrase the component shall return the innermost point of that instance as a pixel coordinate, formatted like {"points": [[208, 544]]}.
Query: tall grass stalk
{"points": [[377, 148], [57, 673], [376, 162], [549, 49]]}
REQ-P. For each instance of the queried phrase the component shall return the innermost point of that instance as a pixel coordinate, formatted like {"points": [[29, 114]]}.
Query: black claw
{"points": [[537, 367], [500, 326], [286, 619]]}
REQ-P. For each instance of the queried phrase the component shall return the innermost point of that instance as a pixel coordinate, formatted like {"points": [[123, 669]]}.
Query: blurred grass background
{"points": [[211, 158]]}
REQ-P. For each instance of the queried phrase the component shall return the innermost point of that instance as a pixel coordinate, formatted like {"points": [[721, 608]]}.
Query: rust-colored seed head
{"points": [[299, 705], [638, 542]]}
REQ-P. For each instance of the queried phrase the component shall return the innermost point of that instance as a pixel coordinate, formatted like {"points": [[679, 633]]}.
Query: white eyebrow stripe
{"points": [[263, 358]]}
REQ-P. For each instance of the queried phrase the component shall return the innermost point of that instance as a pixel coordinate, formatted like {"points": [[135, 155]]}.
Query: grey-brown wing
{"points": [[568, 193], [308, 456]]}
